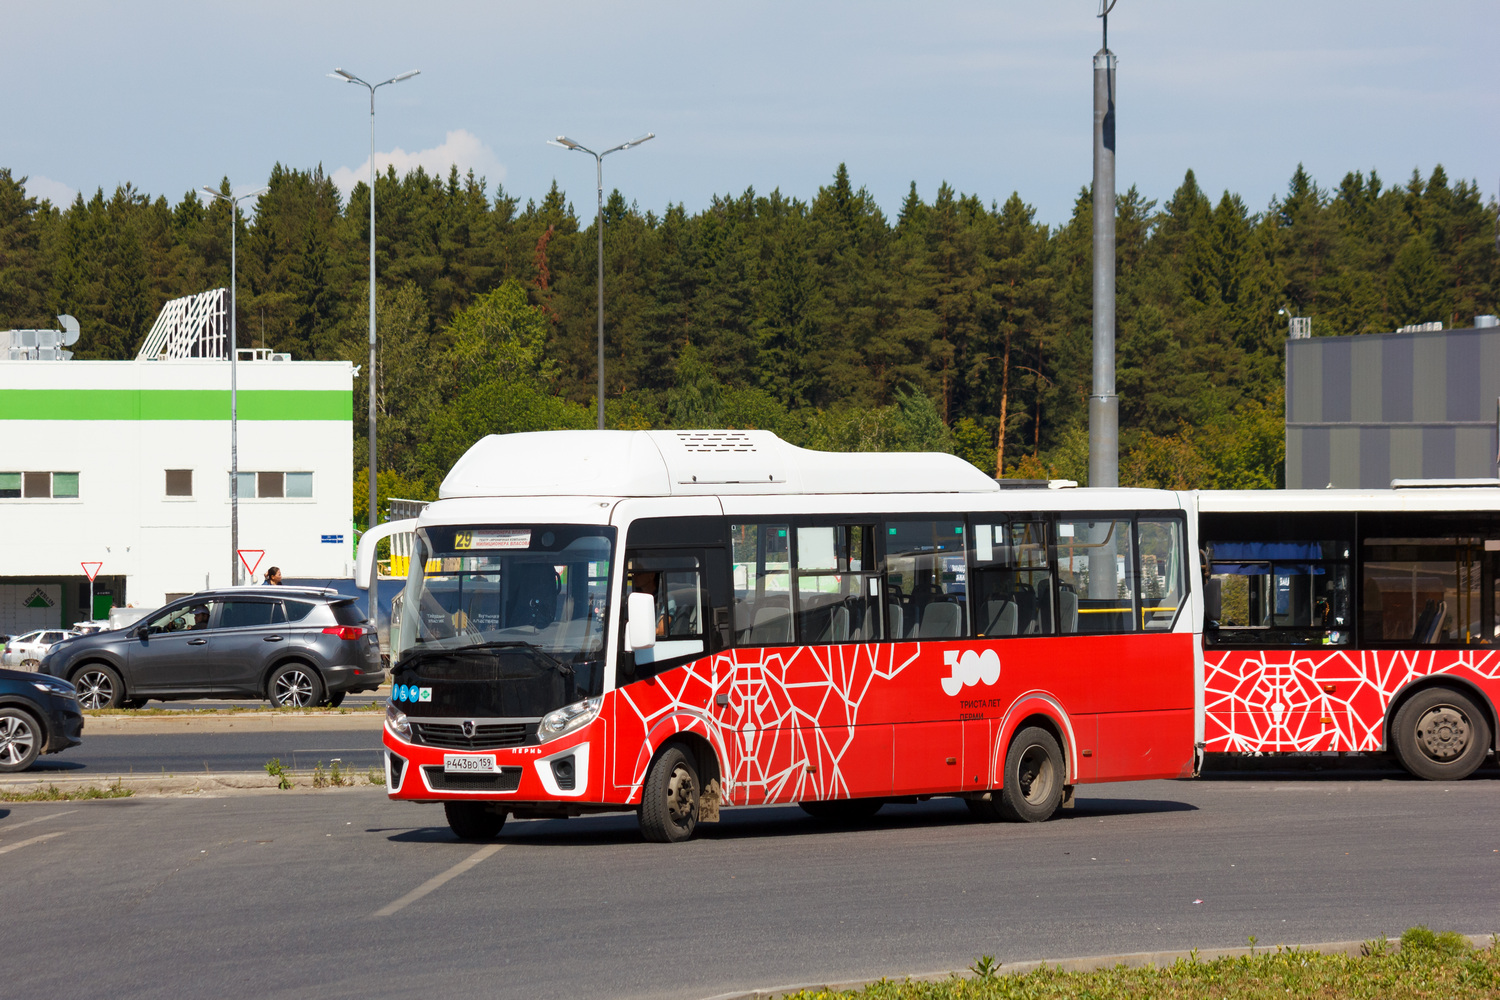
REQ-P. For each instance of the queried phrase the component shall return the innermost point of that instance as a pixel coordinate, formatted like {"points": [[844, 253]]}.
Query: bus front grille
{"points": [[508, 780], [450, 735]]}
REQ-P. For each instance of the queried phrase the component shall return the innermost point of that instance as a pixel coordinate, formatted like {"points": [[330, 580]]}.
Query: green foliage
{"points": [[1421, 938], [54, 794], [958, 325], [276, 769]]}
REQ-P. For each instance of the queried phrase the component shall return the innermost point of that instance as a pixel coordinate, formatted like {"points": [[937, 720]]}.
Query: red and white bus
{"points": [[675, 622], [1348, 620]]}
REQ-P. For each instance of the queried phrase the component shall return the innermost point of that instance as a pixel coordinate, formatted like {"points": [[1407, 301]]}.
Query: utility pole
{"points": [[1104, 405]]}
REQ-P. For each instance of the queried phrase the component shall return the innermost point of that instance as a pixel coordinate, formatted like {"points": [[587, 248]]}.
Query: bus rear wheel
{"points": [[669, 800], [842, 811], [1034, 777], [474, 820], [1440, 734]]}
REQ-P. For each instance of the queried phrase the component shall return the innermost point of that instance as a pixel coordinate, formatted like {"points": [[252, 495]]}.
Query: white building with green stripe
{"points": [[126, 463]]}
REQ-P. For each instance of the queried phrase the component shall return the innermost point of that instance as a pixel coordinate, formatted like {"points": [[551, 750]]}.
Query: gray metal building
{"points": [[1363, 410]]}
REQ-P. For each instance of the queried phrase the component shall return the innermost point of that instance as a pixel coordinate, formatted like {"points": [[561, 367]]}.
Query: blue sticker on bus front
{"points": [[400, 692]]}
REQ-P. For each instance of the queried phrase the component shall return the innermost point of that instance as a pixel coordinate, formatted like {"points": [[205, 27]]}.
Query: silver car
{"points": [[26, 651]]}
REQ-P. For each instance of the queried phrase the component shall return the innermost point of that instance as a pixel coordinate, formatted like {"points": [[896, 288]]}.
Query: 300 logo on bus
{"points": [[970, 668]]}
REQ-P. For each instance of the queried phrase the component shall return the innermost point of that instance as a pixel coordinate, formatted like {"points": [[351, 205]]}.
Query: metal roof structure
{"points": [[194, 326]]}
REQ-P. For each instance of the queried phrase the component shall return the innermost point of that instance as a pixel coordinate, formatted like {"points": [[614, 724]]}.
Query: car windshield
{"points": [[534, 596]]}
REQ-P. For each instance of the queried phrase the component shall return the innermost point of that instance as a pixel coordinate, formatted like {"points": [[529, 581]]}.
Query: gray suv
{"points": [[294, 646]]}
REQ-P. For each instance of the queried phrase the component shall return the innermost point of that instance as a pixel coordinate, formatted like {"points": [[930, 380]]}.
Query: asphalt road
{"points": [[344, 894], [180, 753]]}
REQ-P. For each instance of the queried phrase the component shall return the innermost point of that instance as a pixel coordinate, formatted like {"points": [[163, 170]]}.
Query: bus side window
{"points": [[838, 588], [1161, 573], [926, 579], [675, 582], [761, 560], [1095, 576], [1012, 581], [1424, 591]]}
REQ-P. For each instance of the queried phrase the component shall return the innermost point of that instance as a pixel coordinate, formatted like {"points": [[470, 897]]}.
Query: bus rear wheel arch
{"points": [[1441, 733]]}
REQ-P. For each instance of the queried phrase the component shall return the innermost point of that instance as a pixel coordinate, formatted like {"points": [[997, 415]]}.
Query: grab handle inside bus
{"points": [[640, 623]]}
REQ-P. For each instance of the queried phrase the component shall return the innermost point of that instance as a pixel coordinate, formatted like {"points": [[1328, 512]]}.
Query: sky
{"points": [[991, 97]]}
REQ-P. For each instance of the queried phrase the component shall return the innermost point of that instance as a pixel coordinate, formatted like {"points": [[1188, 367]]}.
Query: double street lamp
{"points": [[234, 382], [567, 143], [347, 77]]}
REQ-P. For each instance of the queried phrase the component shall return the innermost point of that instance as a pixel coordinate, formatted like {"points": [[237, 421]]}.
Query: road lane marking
{"points": [[437, 880], [33, 840], [40, 819]]}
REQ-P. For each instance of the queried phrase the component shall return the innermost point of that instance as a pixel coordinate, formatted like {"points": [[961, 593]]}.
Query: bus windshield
{"points": [[540, 590]]}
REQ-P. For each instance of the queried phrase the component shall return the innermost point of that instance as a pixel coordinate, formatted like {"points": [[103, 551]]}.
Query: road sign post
{"points": [[245, 555], [91, 570]]}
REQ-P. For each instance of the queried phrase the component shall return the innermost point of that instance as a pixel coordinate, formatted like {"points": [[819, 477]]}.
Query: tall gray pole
{"points": [[234, 403], [599, 172], [1104, 405], [373, 508]]}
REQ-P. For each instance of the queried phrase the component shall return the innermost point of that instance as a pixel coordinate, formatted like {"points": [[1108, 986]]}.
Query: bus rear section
{"points": [[709, 643], [1353, 621]]}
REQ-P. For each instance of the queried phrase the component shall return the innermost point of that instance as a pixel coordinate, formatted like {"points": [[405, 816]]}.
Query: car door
{"points": [[174, 652], [251, 632]]}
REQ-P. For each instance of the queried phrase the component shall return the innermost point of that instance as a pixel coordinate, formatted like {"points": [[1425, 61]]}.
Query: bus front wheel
{"points": [[1034, 777], [473, 820], [1440, 734], [669, 800]]}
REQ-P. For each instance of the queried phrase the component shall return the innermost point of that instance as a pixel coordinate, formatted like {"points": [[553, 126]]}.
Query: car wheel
{"points": [[99, 686], [1034, 777], [30, 664], [669, 800], [295, 686], [1441, 735], [335, 700], [20, 740], [135, 703], [474, 820]]}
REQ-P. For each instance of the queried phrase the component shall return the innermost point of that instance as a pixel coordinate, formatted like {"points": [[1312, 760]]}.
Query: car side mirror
{"points": [[142, 631], [640, 622]]}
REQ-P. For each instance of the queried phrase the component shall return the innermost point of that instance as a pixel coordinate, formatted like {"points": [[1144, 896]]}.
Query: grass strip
{"points": [[1428, 965], [54, 794], [100, 713]]}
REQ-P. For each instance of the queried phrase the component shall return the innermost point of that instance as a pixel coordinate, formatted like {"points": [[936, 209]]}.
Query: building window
{"points": [[179, 482], [39, 485], [275, 485]]}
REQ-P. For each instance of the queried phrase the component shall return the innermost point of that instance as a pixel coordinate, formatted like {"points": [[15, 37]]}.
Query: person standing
{"points": [[273, 577]]}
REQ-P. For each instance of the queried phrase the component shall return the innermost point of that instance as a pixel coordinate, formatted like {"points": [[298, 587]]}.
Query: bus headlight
{"points": [[567, 719], [395, 720]]}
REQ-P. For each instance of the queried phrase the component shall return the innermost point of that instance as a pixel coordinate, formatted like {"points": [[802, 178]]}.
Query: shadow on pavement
{"points": [[1318, 767]]}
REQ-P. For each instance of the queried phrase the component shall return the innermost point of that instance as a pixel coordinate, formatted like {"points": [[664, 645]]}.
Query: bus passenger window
{"points": [[762, 563], [1423, 591], [1280, 593], [838, 589], [1161, 573], [1095, 576], [926, 583], [1012, 579]]}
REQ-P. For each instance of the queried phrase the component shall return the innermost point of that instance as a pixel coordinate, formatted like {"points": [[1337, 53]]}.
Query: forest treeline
{"points": [[958, 325]]}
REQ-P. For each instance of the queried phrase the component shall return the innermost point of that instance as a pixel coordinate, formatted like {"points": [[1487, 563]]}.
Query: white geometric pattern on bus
{"points": [[1287, 700], [789, 708]]}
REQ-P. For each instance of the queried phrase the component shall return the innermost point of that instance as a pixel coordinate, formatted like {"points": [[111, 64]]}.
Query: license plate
{"points": [[470, 763]]}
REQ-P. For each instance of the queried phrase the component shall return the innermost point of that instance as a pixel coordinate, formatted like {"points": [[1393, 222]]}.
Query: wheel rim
{"points": [[16, 740], [294, 689], [1443, 733], [682, 797], [1036, 776], [95, 689]]}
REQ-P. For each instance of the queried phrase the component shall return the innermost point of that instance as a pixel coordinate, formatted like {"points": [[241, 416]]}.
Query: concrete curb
{"points": [[240, 722], [208, 784], [1092, 963]]}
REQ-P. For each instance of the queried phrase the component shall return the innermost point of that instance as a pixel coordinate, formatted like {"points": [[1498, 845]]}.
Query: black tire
{"points": [[99, 686], [134, 703], [1440, 734], [20, 740], [335, 700], [474, 820], [295, 685], [1034, 777], [842, 812], [669, 801]]}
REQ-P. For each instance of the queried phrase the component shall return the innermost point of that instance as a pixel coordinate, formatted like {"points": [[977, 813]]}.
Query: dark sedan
{"points": [[294, 646], [38, 715]]}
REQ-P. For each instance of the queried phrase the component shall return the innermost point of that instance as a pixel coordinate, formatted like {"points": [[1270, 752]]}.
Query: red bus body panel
{"points": [[1313, 699]]}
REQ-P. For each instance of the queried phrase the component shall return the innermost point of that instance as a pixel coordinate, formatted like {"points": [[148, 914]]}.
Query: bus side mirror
{"points": [[640, 622]]}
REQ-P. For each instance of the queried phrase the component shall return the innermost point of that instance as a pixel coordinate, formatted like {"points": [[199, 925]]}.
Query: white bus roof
{"points": [[1407, 498], [692, 463]]}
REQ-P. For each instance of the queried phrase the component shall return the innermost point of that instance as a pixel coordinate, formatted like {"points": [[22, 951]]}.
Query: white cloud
{"points": [[54, 191], [460, 148]]}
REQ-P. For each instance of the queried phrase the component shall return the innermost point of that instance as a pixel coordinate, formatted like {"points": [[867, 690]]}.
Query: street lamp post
{"points": [[348, 77], [234, 382], [567, 143]]}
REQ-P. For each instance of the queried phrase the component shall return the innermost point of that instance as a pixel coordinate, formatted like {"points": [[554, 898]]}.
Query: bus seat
{"points": [[1430, 624], [840, 630], [893, 612], [1001, 618], [772, 625], [940, 620], [1068, 610]]}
